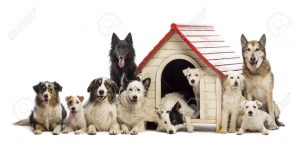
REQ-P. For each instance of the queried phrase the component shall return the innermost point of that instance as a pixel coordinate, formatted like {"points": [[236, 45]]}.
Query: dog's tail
{"points": [[24, 122]]}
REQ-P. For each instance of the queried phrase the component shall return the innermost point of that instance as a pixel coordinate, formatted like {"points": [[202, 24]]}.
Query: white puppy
{"points": [[254, 118], [76, 121], [173, 112], [193, 77], [232, 99]]}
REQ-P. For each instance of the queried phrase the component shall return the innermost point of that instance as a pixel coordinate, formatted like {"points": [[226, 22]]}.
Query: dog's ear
{"points": [[186, 71], [263, 40], [157, 111], [243, 103], [37, 87], [129, 38], [146, 82], [114, 86], [67, 98], [92, 85], [81, 98], [177, 106], [57, 86], [244, 42], [258, 103], [114, 39]]}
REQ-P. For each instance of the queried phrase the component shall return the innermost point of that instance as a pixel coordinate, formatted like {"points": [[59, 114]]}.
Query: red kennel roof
{"points": [[206, 44]]}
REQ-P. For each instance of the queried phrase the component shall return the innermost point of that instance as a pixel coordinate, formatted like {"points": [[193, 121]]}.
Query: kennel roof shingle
{"points": [[207, 45]]}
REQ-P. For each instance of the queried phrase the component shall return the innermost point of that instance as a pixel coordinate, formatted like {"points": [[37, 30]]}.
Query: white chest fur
{"points": [[47, 116]]}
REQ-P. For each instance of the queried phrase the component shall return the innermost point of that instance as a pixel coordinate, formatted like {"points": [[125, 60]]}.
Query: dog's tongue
{"points": [[46, 103], [253, 66], [121, 63]]}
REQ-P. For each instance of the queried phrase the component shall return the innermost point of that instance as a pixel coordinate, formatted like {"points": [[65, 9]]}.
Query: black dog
{"points": [[122, 56]]}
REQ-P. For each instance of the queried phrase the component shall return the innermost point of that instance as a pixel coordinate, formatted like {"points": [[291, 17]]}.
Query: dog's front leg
{"points": [[38, 129], [92, 129], [124, 129], [273, 125], [137, 128], [224, 122], [233, 119], [114, 129], [189, 125], [56, 129]]}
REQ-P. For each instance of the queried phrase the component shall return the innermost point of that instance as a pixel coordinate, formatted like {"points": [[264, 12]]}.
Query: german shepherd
{"points": [[259, 81]]}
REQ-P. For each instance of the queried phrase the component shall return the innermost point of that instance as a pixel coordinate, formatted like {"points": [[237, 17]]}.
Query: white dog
{"points": [[232, 99], [76, 121], [130, 105], [193, 76], [173, 112], [101, 111], [254, 118]]}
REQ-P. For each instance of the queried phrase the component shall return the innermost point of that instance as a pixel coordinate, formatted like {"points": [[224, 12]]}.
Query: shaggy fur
{"points": [[173, 112], [48, 113], [122, 56], [259, 81], [193, 76], [131, 103], [232, 98], [254, 119], [100, 111], [76, 121]]}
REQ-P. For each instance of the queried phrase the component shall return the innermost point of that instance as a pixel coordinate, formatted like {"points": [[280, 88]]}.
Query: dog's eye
{"points": [[130, 89], [168, 112], [196, 74], [231, 77], [238, 77], [77, 102], [247, 106], [248, 49], [189, 75], [254, 106], [165, 122], [161, 112], [257, 49], [70, 102], [138, 89]]}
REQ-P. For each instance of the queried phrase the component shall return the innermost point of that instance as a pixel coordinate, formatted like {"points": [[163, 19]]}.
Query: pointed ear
{"points": [[57, 86], [37, 87], [114, 39], [81, 98], [177, 106], [263, 40], [67, 98], [186, 71], [243, 103], [258, 103], [244, 41], [146, 82], [129, 38], [157, 111]]}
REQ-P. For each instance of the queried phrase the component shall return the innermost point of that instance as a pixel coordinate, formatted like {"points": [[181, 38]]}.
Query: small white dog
{"points": [[232, 99], [173, 112], [255, 119], [131, 105], [193, 77], [76, 121]]}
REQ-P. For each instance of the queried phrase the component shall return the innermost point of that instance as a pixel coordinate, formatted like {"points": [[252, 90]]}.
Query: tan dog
{"points": [[76, 121], [259, 81]]}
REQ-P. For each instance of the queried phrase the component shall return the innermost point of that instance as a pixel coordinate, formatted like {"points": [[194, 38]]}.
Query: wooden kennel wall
{"points": [[203, 48]]}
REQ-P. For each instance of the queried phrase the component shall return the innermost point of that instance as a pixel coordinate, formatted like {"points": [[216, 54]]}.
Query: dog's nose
{"points": [[73, 108], [46, 96], [236, 83], [101, 92], [250, 113], [134, 97], [170, 132], [252, 59], [192, 81]]}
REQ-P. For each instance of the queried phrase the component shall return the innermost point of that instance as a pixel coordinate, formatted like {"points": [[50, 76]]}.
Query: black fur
{"points": [[175, 115], [122, 49], [64, 114], [125, 82], [110, 85]]}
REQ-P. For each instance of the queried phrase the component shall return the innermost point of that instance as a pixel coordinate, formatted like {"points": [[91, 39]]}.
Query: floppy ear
{"points": [[177, 106], [186, 71], [67, 98], [114, 39], [37, 87], [57, 86], [146, 82], [129, 38], [91, 86], [258, 103], [81, 98], [263, 40], [243, 103], [244, 42]]}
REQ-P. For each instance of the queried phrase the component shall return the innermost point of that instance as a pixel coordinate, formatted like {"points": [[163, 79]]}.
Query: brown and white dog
{"points": [[100, 111], [76, 121], [48, 113], [259, 81]]}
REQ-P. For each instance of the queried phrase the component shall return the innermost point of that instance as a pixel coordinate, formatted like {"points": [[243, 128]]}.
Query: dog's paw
{"points": [[239, 133], [125, 131], [133, 132], [113, 132], [280, 124], [37, 132], [232, 130], [92, 132], [273, 127], [265, 132], [190, 129], [65, 131], [223, 131], [56, 132], [77, 132]]}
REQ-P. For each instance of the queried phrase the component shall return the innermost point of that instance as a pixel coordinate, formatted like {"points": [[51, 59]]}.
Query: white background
{"points": [[68, 42]]}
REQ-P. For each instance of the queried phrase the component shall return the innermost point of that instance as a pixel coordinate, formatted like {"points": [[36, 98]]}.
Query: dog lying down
{"points": [[173, 112], [255, 119]]}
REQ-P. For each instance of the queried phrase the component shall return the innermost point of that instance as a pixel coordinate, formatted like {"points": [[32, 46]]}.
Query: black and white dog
{"points": [[122, 56]]}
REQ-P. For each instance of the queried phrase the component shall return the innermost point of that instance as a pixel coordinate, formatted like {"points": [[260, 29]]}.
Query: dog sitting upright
{"points": [[76, 121], [122, 56], [232, 99], [100, 110], [131, 104], [48, 113], [259, 81]]}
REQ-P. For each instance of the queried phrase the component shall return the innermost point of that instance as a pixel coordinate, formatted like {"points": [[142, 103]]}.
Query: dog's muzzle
{"points": [[134, 100], [250, 113]]}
